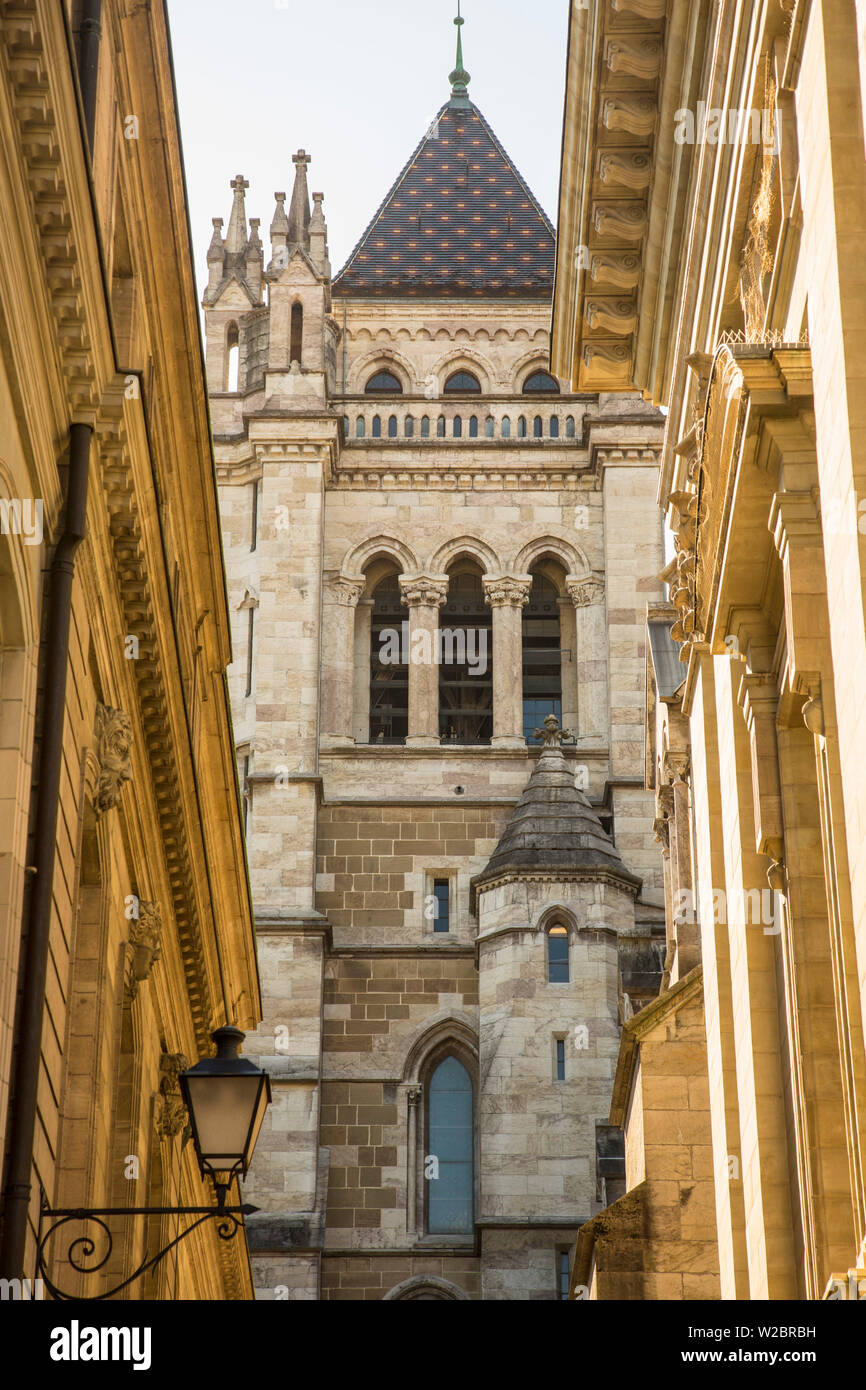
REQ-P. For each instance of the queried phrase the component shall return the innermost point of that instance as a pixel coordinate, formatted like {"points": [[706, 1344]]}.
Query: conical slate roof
{"points": [[460, 220], [553, 827]]}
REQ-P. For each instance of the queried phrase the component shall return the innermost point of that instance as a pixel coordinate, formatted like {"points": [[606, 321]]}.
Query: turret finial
{"points": [[459, 78]]}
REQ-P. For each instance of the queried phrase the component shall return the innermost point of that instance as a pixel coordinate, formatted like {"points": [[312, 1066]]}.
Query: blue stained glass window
{"points": [[557, 957], [449, 1196]]}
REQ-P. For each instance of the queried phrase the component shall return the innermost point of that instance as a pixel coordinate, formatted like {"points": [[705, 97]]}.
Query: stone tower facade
{"points": [[432, 553]]}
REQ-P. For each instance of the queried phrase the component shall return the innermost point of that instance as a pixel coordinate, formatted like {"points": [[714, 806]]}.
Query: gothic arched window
{"points": [[462, 384], [450, 1142], [557, 955], [409, 426], [392, 426], [297, 340], [506, 427], [569, 427], [359, 427], [383, 384], [538, 427], [489, 426], [542, 657], [440, 427], [377, 427], [554, 426], [389, 673], [466, 661], [521, 427], [425, 426], [541, 382], [233, 357], [473, 427], [458, 427]]}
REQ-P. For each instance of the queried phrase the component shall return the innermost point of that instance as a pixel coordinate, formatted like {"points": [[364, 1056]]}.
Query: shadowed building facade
{"points": [[433, 552], [125, 917], [713, 230]]}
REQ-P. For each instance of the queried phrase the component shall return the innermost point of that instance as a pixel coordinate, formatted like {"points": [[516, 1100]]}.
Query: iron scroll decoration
{"points": [[82, 1250]]}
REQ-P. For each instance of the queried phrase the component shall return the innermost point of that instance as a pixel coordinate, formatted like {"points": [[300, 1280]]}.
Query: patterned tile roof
{"points": [[459, 221]]}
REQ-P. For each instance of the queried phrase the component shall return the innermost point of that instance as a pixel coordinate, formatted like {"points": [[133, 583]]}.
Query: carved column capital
{"points": [[346, 590], [586, 591], [506, 591], [113, 743], [424, 590]]}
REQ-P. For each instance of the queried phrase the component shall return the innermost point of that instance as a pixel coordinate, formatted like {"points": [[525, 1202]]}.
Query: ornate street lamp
{"points": [[226, 1097]]}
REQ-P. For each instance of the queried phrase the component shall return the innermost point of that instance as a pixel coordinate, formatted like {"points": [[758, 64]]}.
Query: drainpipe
{"points": [[54, 659], [89, 34]]}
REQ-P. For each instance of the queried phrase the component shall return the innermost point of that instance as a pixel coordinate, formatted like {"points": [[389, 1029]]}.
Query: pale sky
{"points": [[355, 83]]}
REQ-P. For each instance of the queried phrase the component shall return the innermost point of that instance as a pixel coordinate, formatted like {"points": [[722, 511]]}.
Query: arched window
{"points": [[506, 427], [541, 382], [233, 353], [297, 347], [346, 426], [538, 427], [557, 955], [489, 426], [377, 427], [554, 426], [521, 427], [392, 426], [473, 427], [462, 384], [466, 662], [458, 427], [359, 427], [409, 426], [425, 426], [440, 427], [569, 427], [389, 673], [450, 1142], [383, 384], [542, 658]]}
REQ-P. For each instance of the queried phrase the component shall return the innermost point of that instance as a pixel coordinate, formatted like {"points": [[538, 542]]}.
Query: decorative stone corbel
{"points": [[144, 939], [170, 1110], [113, 744]]}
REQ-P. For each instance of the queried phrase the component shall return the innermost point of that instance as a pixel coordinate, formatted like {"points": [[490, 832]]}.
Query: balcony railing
{"points": [[423, 422]]}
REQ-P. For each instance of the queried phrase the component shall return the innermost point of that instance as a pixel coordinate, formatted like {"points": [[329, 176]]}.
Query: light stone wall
{"points": [[381, 821]]}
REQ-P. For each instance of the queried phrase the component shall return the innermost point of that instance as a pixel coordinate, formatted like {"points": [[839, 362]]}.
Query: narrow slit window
{"points": [[564, 1276], [425, 426], [554, 426], [441, 904], [377, 427], [297, 334], [560, 1059], [251, 638], [473, 427], [392, 426]]}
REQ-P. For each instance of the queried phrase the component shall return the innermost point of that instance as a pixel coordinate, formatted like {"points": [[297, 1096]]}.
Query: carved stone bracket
{"points": [[170, 1109], [414, 1095], [113, 744], [145, 940]]}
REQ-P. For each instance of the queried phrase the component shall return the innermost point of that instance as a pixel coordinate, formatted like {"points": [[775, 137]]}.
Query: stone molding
{"points": [[506, 591], [585, 592]]}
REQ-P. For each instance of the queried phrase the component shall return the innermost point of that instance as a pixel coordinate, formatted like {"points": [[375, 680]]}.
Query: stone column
{"points": [[338, 659], [587, 595], [424, 595], [361, 681], [507, 595]]}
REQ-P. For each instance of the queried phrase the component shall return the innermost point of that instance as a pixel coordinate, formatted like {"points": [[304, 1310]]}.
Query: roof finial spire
{"points": [[459, 78]]}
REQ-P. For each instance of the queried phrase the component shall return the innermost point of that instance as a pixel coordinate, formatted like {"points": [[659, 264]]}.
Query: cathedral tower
{"points": [[439, 566]]}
